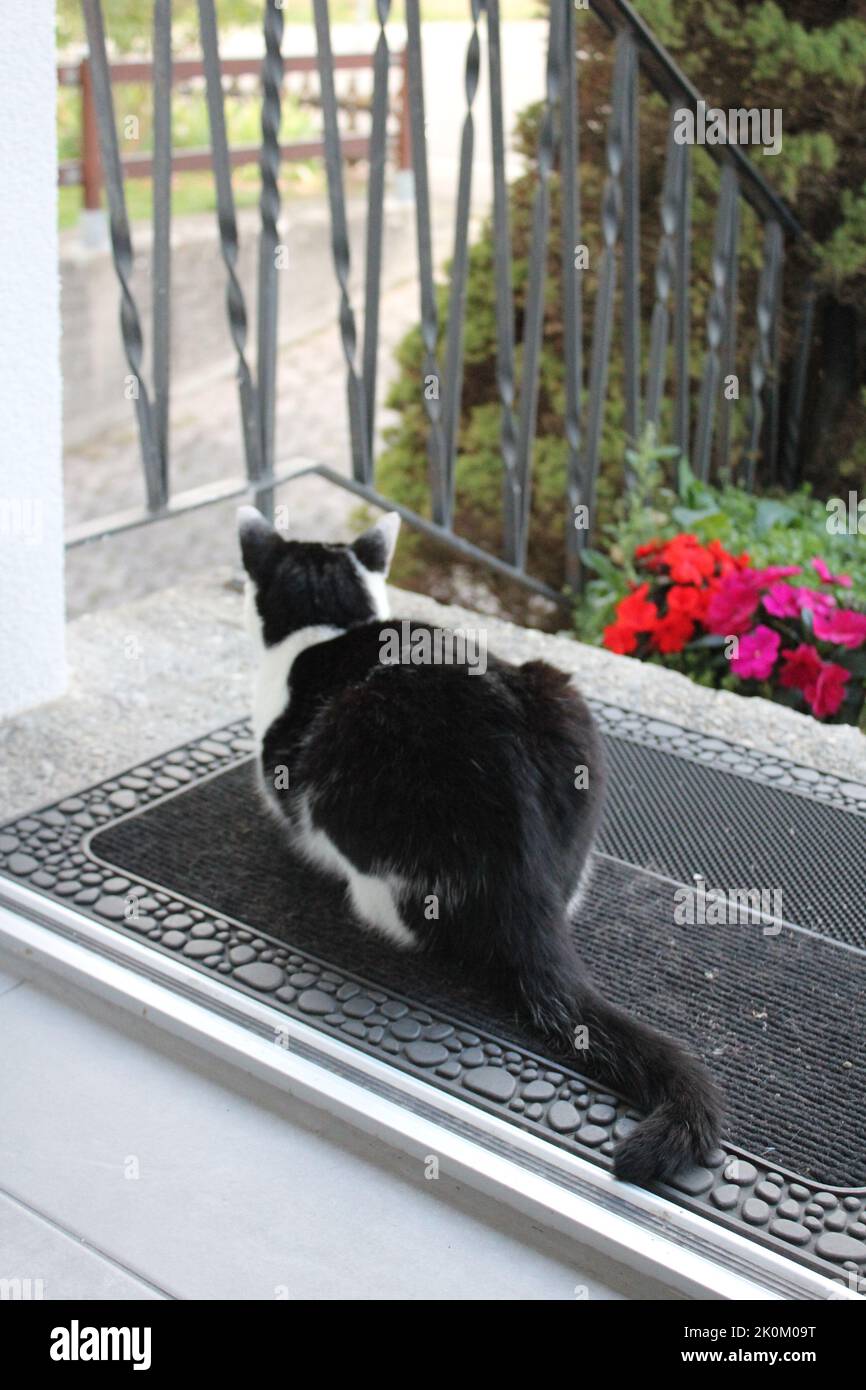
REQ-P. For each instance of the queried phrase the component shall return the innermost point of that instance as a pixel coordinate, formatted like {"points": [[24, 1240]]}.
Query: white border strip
{"points": [[644, 1231]]}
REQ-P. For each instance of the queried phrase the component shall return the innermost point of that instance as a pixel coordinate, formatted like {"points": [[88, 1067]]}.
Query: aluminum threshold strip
{"points": [[640, 1229]]}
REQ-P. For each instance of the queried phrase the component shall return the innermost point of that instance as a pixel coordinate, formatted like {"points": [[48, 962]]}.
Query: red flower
{"points": [[619, 638], [650, 554], [829, 689], [689, 601], [672, 632], [636, 611], [823, 683], [725, 562], [800, 668], [634, 614], [688, 561]]}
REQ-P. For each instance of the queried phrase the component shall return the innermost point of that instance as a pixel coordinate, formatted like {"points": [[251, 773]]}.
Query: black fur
{"points": [[463, 786]]}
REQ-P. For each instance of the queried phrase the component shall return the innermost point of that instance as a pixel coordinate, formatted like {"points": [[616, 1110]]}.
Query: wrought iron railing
{"points": [[699, 428]]}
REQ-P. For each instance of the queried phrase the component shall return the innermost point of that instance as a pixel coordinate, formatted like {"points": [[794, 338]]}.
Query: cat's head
{"points": [[297, 584]]}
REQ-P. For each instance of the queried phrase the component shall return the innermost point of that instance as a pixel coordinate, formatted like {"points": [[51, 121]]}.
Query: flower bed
{"points": [[788, 640]]}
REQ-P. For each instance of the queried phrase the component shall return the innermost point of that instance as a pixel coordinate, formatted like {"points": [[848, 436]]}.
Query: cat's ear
{"points": [[375, 548], [260, 543]]}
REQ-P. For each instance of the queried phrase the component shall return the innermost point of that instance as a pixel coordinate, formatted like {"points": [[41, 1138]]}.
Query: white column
{"points": [[32, 664]]}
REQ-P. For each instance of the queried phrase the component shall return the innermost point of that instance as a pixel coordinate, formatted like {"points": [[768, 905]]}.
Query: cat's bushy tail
{"points": [[683, 1107]]}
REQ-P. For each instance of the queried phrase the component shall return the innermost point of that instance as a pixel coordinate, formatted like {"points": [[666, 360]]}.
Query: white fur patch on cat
{"points": [[579, 892], [271, 682], [374, 583], [372, 898]]}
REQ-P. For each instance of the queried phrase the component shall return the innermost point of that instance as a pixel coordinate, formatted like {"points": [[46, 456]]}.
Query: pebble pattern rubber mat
{"points": [[59, 852]]}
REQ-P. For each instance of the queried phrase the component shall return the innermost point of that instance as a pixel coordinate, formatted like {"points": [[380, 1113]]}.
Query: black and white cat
{"points": [[420, 784]]}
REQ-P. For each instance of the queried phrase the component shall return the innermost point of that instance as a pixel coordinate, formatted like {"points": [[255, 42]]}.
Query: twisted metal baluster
{"points": [[775, 368], [340, 244], [121, 250], [460, 261], [665, 268], [729, 349], [161, 227], [437, 448], [504, 296], [716, 320], [269, 208], [797, 396], [760, 365], [228, 233], [631, 263], [576, 538], [534, 313], [611, 208], [682, 303], [375, 206]]}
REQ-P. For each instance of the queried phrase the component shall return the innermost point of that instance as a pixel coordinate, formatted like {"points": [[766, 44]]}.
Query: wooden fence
{"points": [[86, 171]]}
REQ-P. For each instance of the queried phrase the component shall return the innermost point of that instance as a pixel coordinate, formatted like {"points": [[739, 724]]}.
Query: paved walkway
{"points": [[104, 476]]}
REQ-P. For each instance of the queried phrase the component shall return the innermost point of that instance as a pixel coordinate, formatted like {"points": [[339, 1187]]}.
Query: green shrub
{"points": [[808, 64]]}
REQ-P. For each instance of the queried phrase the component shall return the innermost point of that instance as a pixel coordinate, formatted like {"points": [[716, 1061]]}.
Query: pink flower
{"points": [[773, 572], [733, 603], [737, 596], [756, 654], [841, 625], [782, 601], [829, 690], [826, 577], [815, 600]]}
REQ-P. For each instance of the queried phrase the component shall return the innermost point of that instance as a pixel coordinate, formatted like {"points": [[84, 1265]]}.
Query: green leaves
{"points": [[770, 513], [688, 517], [604, 567], [698, 502], [854, 661]]}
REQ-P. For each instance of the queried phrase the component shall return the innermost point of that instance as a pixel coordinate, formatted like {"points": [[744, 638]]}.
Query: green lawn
{"points": [[194, 192]]}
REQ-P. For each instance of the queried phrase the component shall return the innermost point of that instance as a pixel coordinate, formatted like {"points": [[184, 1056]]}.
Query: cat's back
{"points": [[438, 758], [434, 696]]}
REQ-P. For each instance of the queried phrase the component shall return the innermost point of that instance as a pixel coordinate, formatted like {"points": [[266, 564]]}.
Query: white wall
{"points": [[32, 665]]}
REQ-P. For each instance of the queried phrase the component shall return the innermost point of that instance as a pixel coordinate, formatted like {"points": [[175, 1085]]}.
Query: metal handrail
{"points": [[669, 79]]}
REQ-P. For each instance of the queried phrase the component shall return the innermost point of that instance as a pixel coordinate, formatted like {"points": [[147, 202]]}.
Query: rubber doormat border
{"points": [[50, 850]]}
